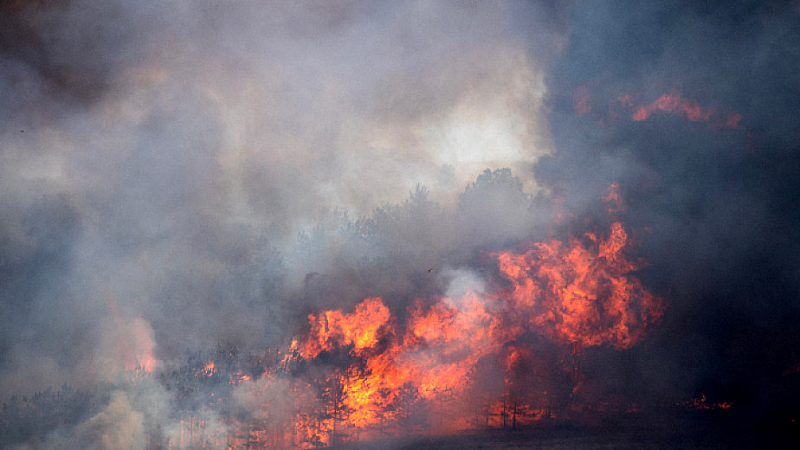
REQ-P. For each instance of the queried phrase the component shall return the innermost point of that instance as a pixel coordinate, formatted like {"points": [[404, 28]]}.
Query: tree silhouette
{"points": [[494, 208]]}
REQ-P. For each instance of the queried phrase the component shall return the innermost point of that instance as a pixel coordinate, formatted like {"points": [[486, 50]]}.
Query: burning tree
{"points": [[373, 374], [497, 351]]}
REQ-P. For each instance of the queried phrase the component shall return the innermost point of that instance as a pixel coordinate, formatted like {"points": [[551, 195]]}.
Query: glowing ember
{"points": [[702, 404], [207, 370]]}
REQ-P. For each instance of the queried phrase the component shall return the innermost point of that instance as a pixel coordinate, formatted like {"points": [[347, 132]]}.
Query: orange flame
{"points": [[580, 294], [359, 329], [674, 103], [702, 404], [207, 370], [133, 342], [367, 373]]}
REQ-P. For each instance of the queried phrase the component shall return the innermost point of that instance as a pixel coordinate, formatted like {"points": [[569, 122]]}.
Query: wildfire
{"points": [[332, 328], [461, 361], [133, 342], [672, 102], [578, 293], [207, 370], [702, 404]]}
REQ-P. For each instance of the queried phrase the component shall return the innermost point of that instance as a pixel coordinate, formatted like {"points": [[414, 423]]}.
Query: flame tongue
{"points": [[579, 294], [332, 329]]}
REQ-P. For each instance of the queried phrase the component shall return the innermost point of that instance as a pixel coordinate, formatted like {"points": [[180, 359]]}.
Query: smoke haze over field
{"points": [[177, 175]]}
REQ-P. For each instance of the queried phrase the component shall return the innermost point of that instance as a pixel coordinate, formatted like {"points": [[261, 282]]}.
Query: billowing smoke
{"points": [[182, 176]]}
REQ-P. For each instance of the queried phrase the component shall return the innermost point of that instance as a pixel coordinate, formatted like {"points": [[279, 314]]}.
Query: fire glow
{"points": [[670, 102], [376, 225], [371, 372]]}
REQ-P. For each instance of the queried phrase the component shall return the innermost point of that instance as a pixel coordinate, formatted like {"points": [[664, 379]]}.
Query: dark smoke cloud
{"points": [[176, 175], [720, 202]]}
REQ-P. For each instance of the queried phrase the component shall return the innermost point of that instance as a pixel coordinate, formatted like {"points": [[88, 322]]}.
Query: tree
{"points": [[494, 208]]}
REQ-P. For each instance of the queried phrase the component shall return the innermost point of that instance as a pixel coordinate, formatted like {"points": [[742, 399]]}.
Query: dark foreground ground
{"points": [[671, 434]]}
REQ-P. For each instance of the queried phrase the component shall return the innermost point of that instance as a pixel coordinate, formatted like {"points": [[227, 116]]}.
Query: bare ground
{"points": [[661, 436]]}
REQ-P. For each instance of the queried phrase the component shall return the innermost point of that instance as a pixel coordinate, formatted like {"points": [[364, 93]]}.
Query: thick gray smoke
{"points": [[161, 159], [177, 175]]}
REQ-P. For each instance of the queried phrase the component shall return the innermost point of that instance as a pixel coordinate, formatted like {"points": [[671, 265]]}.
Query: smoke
{"points": [[152, 168], [181, 175], [714, 191], [168, 170]]}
